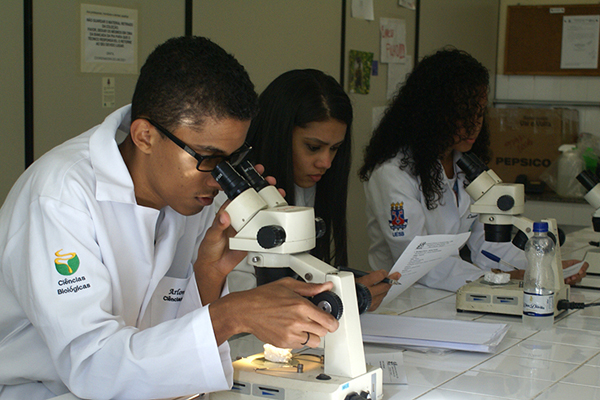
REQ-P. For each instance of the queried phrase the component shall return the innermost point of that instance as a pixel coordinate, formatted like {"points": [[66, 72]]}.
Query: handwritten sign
{"points": [[393, 40]]}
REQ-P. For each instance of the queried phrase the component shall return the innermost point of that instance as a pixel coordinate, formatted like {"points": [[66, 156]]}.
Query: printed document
{"points": [[422, 255]]}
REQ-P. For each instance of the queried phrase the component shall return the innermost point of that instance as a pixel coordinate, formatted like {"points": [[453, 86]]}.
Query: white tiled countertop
{"points": [[528, 364]]}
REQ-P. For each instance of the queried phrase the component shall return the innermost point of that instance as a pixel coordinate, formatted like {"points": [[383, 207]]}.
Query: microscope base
{"points": [[256, 378], [480, 296], [593, 259]]}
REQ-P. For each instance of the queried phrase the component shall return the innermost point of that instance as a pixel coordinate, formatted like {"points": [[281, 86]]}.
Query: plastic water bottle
{"points": [[538, 285]]}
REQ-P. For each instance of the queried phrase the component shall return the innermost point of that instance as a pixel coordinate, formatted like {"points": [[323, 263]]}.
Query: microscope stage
{"points": [[481, 296]]}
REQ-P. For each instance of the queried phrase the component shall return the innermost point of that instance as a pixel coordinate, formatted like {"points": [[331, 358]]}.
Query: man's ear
{"points": [[143, 135]]}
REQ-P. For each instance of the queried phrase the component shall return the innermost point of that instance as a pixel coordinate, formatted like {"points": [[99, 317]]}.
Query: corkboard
{"points": [[534, 39]]}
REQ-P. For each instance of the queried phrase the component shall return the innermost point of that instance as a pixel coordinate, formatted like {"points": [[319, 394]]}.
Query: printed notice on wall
{"points": [[580, 42], [108, 39]]}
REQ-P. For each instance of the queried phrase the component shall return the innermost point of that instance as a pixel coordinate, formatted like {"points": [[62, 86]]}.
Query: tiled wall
{"points": [[580, 92]]}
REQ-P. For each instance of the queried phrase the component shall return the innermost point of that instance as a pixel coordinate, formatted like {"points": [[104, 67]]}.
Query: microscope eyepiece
{"points": [[246, 170], [231, 182], [471, 165]]}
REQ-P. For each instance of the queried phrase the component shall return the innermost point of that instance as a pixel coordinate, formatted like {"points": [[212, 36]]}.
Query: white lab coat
{"points": [[391, 190], [128, 322]]}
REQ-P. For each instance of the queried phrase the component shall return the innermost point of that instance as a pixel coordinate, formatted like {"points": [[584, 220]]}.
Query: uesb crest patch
{"points": [[399, 221]]}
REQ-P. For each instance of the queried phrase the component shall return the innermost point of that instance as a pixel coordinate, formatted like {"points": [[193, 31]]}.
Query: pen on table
{"points": [[494, 257], [360, 273]]}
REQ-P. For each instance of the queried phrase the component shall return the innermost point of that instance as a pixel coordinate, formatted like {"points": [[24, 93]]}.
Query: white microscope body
{"points": [[592, 184], [500, 206], [277, 235]]}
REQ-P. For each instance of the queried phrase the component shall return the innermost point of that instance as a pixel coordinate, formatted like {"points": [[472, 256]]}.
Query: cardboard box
{"points": [[526, 140]]}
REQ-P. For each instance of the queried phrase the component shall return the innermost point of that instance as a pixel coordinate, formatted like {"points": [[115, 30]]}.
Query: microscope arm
{"points": [[344, 353]]}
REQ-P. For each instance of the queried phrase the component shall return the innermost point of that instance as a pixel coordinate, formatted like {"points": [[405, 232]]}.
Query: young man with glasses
{"points": [[112, 261]]}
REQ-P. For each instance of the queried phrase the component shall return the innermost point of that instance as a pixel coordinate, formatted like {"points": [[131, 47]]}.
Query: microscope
{"points": [[591, 183], [279, 236], [500, 206]]}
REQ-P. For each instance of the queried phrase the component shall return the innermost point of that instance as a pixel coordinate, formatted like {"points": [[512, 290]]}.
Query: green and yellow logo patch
{"points": [[66, 264]]}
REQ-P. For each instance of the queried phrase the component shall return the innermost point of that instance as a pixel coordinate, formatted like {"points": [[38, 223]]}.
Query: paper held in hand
{"points": [[422, 255]]}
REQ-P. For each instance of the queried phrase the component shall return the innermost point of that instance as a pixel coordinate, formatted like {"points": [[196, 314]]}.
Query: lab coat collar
{"points": [[113, 181]]}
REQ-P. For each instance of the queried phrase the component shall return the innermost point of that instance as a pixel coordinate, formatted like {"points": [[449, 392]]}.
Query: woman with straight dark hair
{"points": [[302, 137]]}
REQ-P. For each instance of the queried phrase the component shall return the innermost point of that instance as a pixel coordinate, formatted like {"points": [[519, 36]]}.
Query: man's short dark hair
{"points": [[189, 78]]}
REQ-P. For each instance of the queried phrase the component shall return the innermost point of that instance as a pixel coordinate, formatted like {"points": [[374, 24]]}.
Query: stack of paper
{"points": [[430, 332]]}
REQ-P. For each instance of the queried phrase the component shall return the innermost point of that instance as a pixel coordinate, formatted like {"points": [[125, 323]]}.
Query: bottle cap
{"points": [[540, 227]]}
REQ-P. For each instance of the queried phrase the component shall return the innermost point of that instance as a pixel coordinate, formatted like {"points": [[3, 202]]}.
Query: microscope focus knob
{"points": [[505, 202], [364, 297], [329, 302], [270, 236]]}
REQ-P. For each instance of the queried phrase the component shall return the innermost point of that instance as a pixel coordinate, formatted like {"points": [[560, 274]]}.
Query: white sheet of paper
{"points": [[580, 42], [422, 255], [363, 9], [431, 332], [391, 362]]}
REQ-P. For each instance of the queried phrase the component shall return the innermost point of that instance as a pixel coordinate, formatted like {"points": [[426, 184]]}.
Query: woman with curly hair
{"points": [[301, 136], [412, 183]]}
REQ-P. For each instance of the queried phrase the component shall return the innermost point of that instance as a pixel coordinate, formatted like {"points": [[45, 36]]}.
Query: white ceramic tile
{"points": [[569, 336], [455, 361], [545, 88], [552, 351], [441, 310], [580, 322], [533, 368], [428, 377], [589, 120], [572, 88], [517, 330], [497, 385], [562, 391], [593, 89], [403, 392], [591, 312], [444, 394], [520, 87], [412, 298], [584, 375], [501, 87], [594, 362]]}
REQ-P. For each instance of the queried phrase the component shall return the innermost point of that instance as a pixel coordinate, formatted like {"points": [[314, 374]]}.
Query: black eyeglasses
{"points": [[205, 163]]}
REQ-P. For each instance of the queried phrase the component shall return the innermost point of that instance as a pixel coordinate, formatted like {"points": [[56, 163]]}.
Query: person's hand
{"points": [[377, 288], [215, 259], [277, 313], [578, 276]]}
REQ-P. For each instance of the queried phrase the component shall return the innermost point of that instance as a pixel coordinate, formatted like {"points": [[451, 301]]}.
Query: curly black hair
{"points": [[188, 78], [441, 95]]}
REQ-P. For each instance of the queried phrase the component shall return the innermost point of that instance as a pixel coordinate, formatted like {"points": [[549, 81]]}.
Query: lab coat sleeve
{"points": [[95, 353], [388, 185]]}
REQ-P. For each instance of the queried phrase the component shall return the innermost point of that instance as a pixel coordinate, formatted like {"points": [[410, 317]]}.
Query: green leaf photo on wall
{"points": [[360, 71]]}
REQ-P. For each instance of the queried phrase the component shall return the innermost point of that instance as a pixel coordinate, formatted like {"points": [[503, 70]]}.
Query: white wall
{"points": [[12, 146]]}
